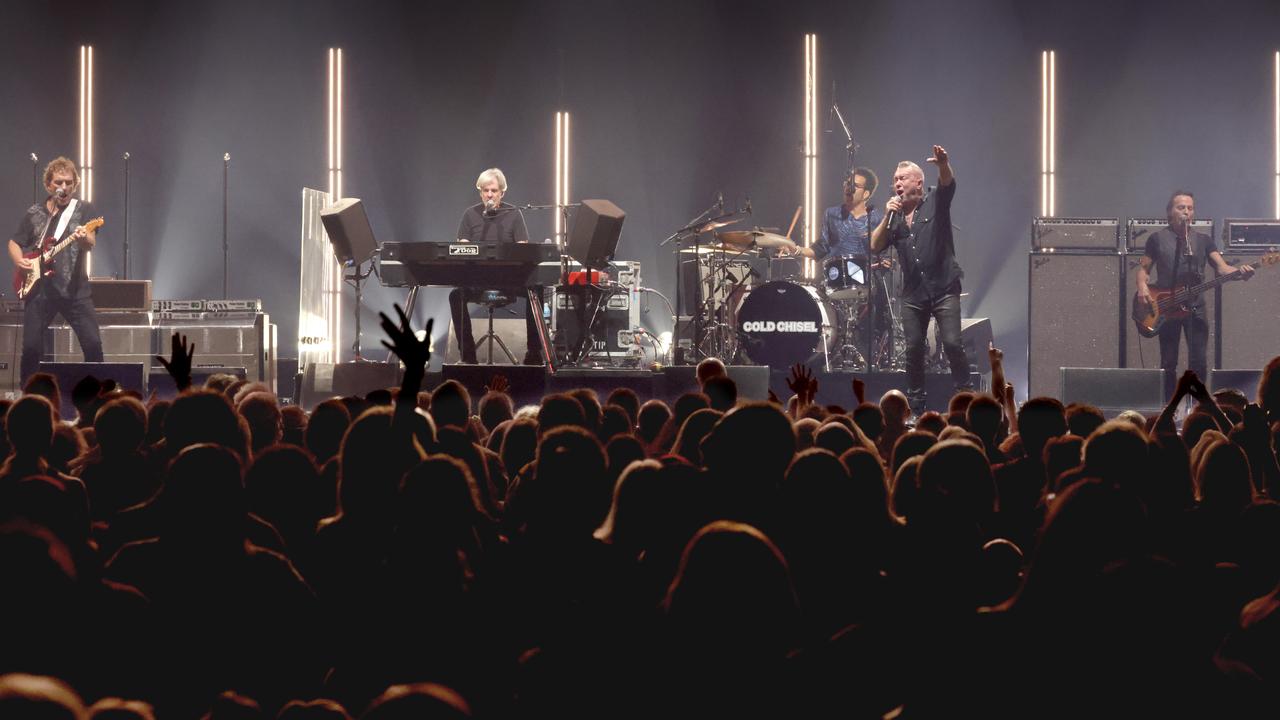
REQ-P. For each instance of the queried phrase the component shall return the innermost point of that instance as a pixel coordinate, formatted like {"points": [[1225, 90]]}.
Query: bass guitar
{"points": [[24, 280], [1174, 303]]}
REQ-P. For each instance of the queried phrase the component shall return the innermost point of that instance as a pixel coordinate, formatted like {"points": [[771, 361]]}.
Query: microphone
{"points": [[892, 215], [60, 193], [488, 208], [720, 202]]}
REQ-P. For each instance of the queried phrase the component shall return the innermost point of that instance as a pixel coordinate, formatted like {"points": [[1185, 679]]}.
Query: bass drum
{"points": [[782, 323]]}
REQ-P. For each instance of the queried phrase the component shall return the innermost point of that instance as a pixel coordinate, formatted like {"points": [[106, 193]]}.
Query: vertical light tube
{"points": [[561, 174], [1277, 138], [86, 134], [1053, 134], [810, 145], [333, 270], [1048, 131]]}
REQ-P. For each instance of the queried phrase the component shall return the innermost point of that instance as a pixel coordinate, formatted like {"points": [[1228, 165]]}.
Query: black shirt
{"points": [[69, 279], [1164, 245], [927, 249], [505, 225]]}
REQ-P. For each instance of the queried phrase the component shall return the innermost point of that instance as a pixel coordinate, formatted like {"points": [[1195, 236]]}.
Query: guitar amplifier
{"points": [[1076, 234], [1244, 233], [1075, 314], [131, 295], [1139, 229]]}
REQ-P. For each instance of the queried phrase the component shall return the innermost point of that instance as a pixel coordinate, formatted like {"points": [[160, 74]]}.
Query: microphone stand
{"points": [[869, 333], [226, 248], [677, 357], [126, 216], [561, 245], [35, 179]]}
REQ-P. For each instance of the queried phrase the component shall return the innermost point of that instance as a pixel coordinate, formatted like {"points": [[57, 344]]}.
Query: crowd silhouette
{"points": [[417, 554]]}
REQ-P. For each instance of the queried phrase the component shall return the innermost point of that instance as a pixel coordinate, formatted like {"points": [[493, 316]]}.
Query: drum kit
{"points": [[754, 304]]}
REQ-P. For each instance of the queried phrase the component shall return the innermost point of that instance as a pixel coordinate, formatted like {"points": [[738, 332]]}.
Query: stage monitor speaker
{"points": [[322, 381], [752, 381], [118, 295], [161, 383], [526, 383], [128, 376], [10, 360], [1140, 352], [1113, 390], [593, 236], [1249, 335], [1074, 316], [348, 228], [1246, 381]]}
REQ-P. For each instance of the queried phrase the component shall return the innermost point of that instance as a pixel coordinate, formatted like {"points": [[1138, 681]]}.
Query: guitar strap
{"points": [[65, 219]]}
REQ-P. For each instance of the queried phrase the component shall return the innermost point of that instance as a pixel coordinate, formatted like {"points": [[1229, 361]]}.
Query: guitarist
{"points": [[1179, 255], [66, 290]]}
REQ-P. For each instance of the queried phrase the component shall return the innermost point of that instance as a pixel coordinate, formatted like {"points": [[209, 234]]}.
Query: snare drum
{"points": [[783, 323], [844, 278]]}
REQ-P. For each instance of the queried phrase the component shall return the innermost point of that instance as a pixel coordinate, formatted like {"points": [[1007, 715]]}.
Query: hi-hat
{"points": [[716, 248]]}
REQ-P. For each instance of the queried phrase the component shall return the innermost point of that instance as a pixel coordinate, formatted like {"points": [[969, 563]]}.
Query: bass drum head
{"points": [[781, 323]]}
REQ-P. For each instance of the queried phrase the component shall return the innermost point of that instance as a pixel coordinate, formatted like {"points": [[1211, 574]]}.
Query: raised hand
{"points": [[773, 398], [859, 390], [414, 353], [1186, 384], [995, 354], [179, 363], [940, 157], [498, 384]]}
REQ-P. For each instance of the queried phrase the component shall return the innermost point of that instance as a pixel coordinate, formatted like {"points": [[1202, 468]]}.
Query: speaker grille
{"points": [[1074, 316], [1249, 331]]}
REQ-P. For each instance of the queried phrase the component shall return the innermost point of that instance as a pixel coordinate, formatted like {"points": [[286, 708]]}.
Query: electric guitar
{"points": [[24, 280], [1174, 303]]}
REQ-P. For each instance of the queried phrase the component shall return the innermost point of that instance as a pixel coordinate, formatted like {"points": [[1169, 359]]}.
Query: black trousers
{"points": [[462, 326], [915, 324], [42, 305], [1196, 329]]}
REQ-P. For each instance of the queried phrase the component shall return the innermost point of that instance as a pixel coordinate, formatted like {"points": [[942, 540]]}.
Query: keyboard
{"points": [[463, 264]]}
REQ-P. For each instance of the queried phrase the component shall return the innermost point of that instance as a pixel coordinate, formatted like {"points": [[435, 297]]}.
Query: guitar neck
{"points": [[1179, 296]]}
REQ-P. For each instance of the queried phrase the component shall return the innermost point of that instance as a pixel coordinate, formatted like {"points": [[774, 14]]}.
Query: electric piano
{"points": [[465, 264]]}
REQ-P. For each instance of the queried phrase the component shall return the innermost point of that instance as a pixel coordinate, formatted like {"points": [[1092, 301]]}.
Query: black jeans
{"points": [[915, 324], [462, 326], [1196, 329], [41, 307]]}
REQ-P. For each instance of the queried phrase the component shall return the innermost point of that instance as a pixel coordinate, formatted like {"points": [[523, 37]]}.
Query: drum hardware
{"points": [[753, 239], [784, 323]]}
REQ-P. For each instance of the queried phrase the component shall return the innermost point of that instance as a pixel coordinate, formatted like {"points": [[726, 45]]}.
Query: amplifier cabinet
{"points": [[1089, 234], [1074, 316], [1139, 229], [234, 343]]}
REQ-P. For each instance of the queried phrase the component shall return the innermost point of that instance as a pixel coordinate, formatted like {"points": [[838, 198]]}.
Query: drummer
{"points": [[846, 228]]}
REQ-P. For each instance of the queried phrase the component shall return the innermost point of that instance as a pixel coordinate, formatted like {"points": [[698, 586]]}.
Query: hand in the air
{"points": [[414, 353], [178, 364], [995, 354], [940, 157], [860, 390], [498, 384]]}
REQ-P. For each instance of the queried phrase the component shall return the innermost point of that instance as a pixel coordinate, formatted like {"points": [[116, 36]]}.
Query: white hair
{"points": [[489, 176], [913, 166]]}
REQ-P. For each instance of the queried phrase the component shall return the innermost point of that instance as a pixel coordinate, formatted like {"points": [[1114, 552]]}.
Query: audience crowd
{"points": [[434, 554]]}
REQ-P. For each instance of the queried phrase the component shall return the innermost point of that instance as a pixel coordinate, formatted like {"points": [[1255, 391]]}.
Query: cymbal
{"points": [[713, 225], [754, 239], [716, 248]]}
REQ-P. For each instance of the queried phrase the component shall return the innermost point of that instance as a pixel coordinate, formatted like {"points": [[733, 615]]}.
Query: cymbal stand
{"points": [[678, 237]]}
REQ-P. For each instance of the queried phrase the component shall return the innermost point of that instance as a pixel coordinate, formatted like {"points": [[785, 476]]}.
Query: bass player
{"points": [[1179, 254]]}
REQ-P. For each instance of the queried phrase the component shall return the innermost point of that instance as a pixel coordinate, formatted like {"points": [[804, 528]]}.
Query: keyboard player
{"points": [[492, 220]]}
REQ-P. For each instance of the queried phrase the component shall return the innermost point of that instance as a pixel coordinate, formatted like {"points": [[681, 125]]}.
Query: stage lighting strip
{"points": [[561, 174], [1048, 161], [1277, 138], [86, 134], [333, 270], [810, 145]]}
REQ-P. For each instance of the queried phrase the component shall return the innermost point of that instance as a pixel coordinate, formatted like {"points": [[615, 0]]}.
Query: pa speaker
{"points": [[128, 376], [1114, 390], [348, 227], [161, 383], [1248, 333], [1246, 381], [1140, 352], [1074, 316], [593, 238], [129, 295]]}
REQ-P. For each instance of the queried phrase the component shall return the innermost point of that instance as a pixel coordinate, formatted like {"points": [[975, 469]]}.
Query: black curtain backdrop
{"points": [[671, 102]]}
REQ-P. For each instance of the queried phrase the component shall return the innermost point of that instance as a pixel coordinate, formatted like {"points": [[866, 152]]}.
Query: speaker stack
{"points": [[1076, 289], [1248, 334]]}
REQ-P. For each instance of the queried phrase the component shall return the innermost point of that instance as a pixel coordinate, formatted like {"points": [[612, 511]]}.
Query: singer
{"points": [[919, 226], [493, 221], [65, 289], [1179, 255]]}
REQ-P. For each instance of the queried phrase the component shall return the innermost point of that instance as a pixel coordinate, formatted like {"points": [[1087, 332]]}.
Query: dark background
{"points": [[671, 102]]}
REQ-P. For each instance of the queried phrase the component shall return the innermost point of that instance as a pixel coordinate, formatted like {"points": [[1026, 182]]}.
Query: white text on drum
{"points": [[785, 326]]}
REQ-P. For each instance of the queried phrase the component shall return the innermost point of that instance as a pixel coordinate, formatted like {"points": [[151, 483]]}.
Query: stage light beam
{"points": [[86, 134], [810, 145], [561, 174], [333, 269], [1048, 132]]}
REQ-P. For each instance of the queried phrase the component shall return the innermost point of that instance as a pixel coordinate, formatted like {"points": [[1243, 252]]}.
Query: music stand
{"points": [[347, 226]]}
